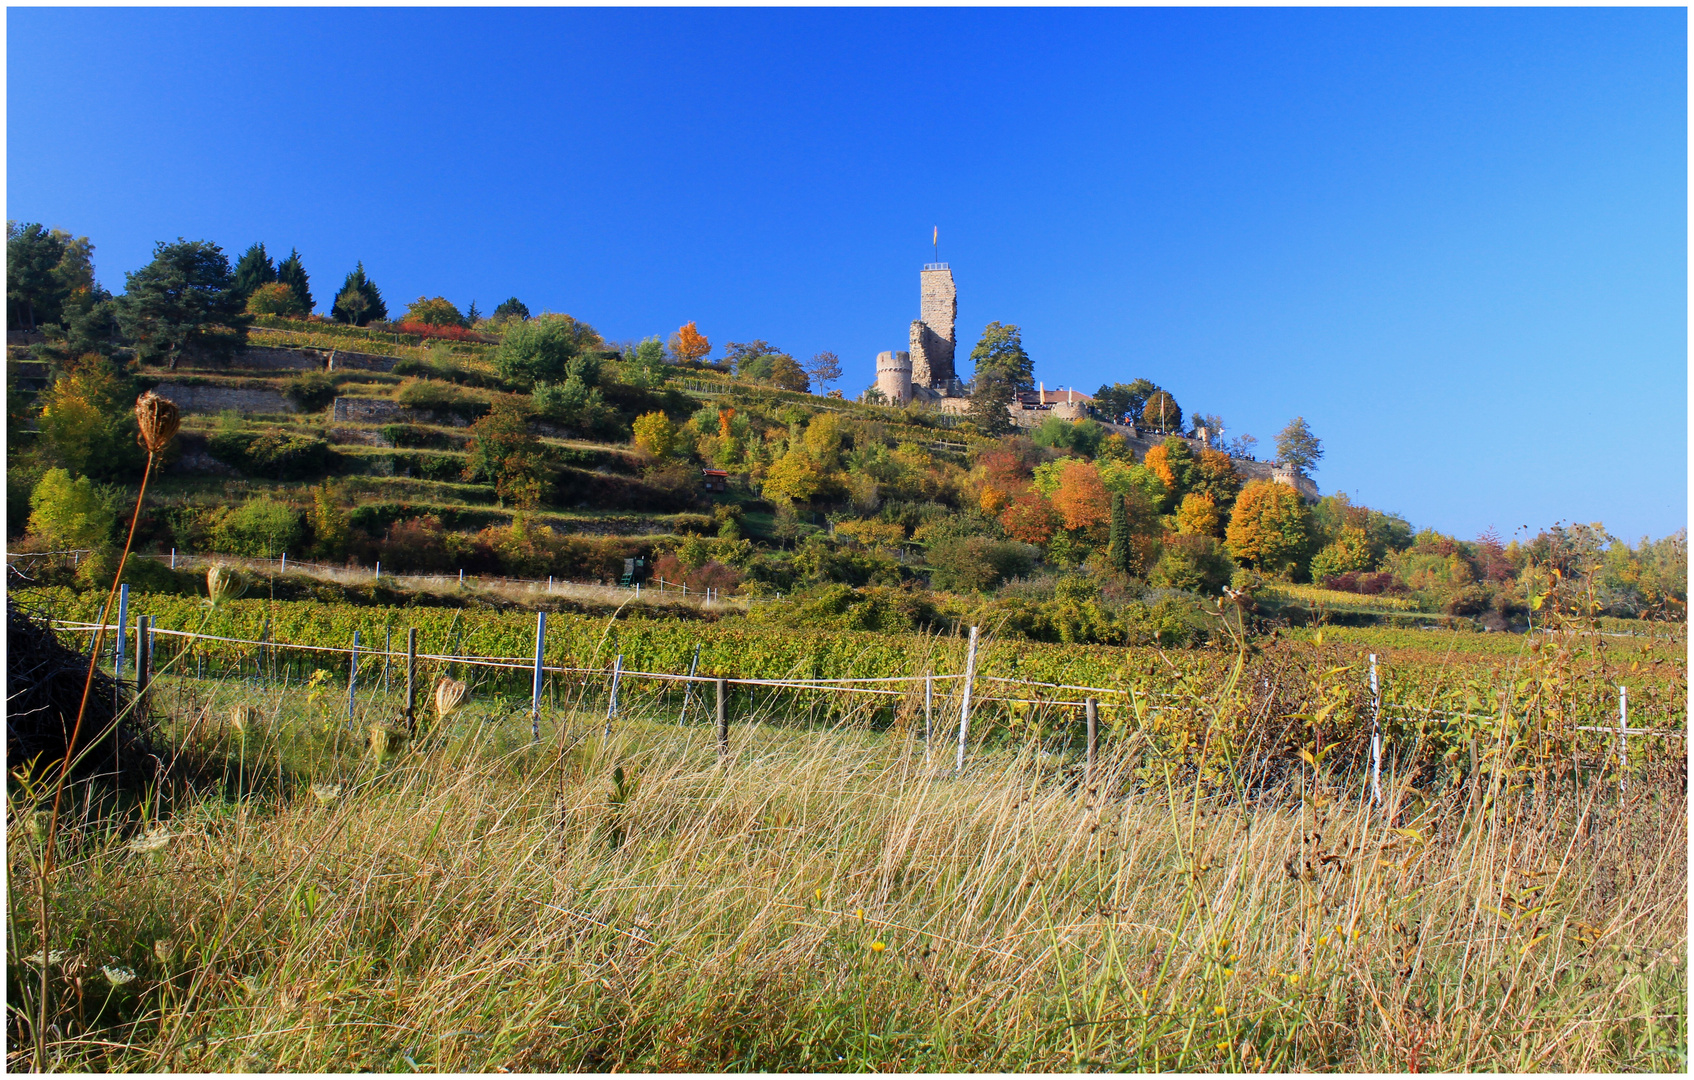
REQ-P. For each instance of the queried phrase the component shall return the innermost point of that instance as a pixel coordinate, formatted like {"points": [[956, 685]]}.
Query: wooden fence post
{"points": [[723, 718], [1375, 735], [1091, 709], [965, 701], [411, 680], [143, 662]]}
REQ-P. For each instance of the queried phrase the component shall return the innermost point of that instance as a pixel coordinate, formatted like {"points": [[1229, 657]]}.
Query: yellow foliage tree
{"points": [[1270, 527], [1198, 515], [796, 477], [655, 434]]}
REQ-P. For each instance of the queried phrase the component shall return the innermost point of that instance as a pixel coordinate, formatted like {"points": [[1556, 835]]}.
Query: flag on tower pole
{"points": [[935, 240]]}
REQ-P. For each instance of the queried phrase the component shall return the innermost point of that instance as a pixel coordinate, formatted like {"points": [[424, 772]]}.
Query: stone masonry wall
{"points": [[215, 399], [360, 410], [938, 309]]}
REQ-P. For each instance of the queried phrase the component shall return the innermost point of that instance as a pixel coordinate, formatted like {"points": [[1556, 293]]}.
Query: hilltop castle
{"points": [[926, 372]]}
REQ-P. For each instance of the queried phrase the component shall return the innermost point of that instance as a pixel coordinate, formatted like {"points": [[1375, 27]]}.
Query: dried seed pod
{"points": [[223, 583], [158, 419], [448, 694]]}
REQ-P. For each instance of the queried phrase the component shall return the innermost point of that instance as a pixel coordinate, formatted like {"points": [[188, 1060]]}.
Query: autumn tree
{"points": [[434, 311], [1297, 447], [1031, 518], [655, 434], [1081, 499], [1270, 527], [824, 368], [689, 345], [1173, 463], [1197, 515], [1350, 553], [1161, 412], [1001, 474], [786, 374], [274, 298], [503, 452], [1214, 474], [795, 477], [73, 513], [1118, 400]]}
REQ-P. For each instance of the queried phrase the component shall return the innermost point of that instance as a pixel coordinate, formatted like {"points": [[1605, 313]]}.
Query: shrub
{"points": [[426, 330], [975, 563], [434, 313], [264, 528], [275, 298], [88, 420], [655, 434], [275, 453], [72, 514], [1194, 563], [429, 395], [311, 391], [542, 349]]}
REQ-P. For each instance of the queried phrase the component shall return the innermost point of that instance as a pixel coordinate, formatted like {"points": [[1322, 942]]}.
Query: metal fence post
{"points": [[723, 718], [688, 687], [612, 701], [411, 680], [123, 627], [928, 711], [965, 701], [1375, 734], [143, 662], [352, 676], [535, 688], [1623, 735]]}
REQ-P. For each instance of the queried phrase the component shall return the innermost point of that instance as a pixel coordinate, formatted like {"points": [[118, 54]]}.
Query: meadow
{"points": [[1219, 892]]}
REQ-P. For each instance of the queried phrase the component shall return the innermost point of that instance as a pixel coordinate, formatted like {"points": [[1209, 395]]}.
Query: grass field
{"points": [[826, 896]]}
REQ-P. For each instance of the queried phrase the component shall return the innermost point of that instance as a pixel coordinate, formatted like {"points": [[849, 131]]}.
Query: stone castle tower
{"points": [[933, 342], [894, 376]]}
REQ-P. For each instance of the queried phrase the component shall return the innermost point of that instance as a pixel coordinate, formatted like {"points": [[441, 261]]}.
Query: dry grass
{"points": [[827, 901]]}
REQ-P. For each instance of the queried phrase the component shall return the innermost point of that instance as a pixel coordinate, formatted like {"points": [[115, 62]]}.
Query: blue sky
{"points": [[1455, 241]]}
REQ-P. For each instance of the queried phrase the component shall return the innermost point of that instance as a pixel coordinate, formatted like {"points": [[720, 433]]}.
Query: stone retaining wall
{"points": [[362, 410], [215, 399]]}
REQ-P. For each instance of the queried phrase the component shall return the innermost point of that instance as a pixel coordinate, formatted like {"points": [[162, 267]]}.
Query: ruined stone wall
{"points": [[938, 310]]}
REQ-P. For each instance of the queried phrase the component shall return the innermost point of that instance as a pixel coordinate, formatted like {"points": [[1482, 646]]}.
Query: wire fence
{"points": [[273, 662]]}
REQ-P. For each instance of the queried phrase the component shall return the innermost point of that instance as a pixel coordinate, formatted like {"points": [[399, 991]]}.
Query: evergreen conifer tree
{"points": [[1118, 553], [293, 274], [253, 270], [359, 302]]}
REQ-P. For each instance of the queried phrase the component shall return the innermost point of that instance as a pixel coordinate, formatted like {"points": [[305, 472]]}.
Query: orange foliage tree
{"points": [[1030, 518], [689, 345], [1001, 475], [1081, 500]]}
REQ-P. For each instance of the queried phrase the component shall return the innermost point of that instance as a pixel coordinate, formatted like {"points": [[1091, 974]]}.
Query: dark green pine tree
{"points": [[292, 273], [184, 299], [253, 270], [472, 315], [1118, 553], [359, 302]]}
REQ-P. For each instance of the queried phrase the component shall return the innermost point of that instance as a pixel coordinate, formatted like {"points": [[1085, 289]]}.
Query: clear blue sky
{"points": [[1455, 241]]}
